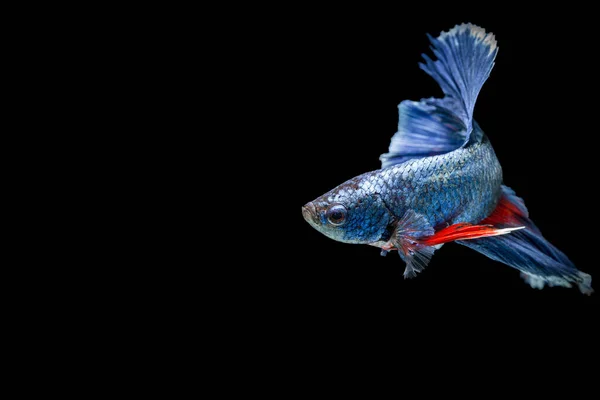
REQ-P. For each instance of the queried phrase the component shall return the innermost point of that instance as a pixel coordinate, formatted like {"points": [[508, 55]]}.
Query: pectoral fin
{"points": [[416, 258], [407, 239]]}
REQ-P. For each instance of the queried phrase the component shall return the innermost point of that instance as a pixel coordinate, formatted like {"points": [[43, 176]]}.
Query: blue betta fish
{"points": [[441, 182]]}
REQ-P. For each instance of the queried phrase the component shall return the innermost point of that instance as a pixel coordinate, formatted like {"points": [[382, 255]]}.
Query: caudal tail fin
{"points": [[539, 261]]}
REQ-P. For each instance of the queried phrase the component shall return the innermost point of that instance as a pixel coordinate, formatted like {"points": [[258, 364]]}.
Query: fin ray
{"points": [[465, 57], [409, 229], [527, 250], [426, 128], [417, 259], [466, 232]]}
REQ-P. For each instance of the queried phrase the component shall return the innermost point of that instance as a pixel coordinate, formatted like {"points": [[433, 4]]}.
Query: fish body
{"points": [[441, 181]]}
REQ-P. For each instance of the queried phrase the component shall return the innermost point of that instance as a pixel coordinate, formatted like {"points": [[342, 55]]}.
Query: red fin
{"points": [[507, 212], [464, 232], [510, 214]]}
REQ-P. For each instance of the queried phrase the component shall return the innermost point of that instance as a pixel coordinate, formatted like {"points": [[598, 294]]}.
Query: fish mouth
{"points": [[309, 212]]}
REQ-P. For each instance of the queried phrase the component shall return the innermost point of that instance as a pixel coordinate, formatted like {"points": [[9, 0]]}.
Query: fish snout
{"points": [[309, 212]]}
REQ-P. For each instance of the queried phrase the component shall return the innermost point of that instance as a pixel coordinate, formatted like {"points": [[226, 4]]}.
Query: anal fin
{"points": [[526, 250]]}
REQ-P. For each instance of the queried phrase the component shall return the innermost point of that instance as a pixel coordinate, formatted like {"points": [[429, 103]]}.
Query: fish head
{"points": [[348, 214]]}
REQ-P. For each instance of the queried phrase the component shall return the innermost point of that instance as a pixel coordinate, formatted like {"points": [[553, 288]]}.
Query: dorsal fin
{"points": [[465, 58], [426, 128]]}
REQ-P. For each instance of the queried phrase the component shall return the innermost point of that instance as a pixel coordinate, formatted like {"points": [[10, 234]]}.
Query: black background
{"points": [[338, 81], [308, 99]]}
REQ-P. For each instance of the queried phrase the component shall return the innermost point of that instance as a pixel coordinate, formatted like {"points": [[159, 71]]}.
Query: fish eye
{"points": [[336, 214]]}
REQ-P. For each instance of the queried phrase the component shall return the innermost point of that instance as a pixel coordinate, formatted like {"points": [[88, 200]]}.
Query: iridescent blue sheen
{"points": [[460, 186], [440, 171]]}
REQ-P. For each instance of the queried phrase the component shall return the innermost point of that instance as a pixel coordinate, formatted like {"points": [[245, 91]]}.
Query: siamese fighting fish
{"points": [[441, 182]]}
